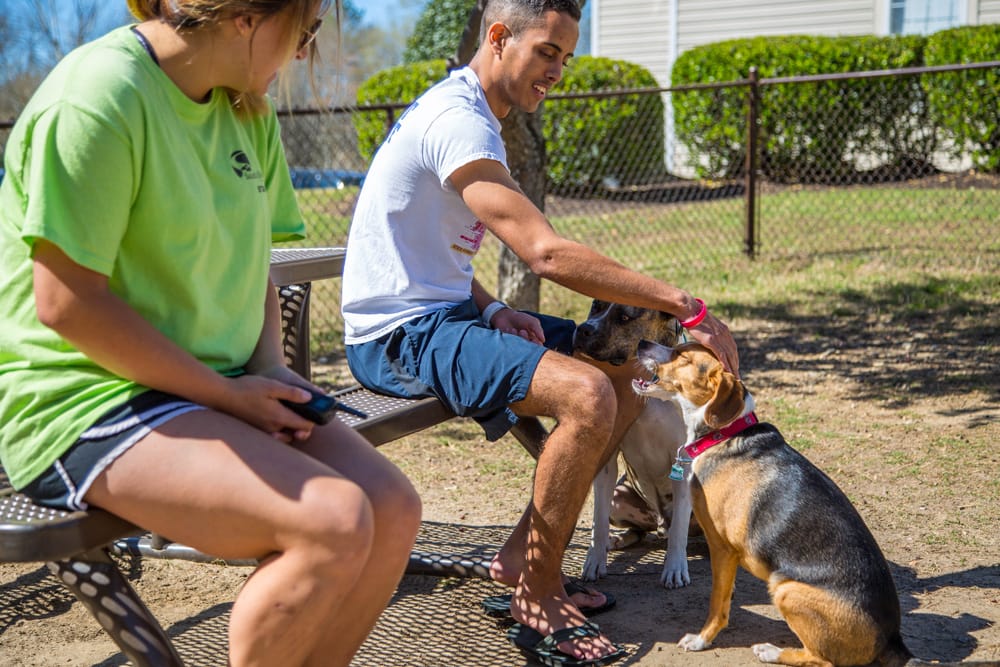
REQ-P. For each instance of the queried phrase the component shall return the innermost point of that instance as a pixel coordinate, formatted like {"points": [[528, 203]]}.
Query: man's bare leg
{"points": [[507, 565], [581, 399]]}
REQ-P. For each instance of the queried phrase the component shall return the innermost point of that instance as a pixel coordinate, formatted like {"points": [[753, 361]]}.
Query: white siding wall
{"points": [[637, 31], [989, 12], [705, 21]]}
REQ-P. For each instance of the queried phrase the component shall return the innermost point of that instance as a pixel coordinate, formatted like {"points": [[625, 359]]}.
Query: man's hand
{"points": [[715, 335], [520, 324]]}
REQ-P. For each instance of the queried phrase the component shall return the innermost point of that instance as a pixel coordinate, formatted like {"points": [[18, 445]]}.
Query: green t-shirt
{"points": [[176, 202]]}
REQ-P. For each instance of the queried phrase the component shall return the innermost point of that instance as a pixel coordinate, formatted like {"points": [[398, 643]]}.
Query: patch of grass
{"points": [[896, 457], [789, 416]]}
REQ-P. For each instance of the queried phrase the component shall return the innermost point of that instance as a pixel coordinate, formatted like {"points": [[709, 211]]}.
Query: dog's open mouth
{"points": [[641, 385]]}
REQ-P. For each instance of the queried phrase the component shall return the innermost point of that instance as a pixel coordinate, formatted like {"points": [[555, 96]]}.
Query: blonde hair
{"points": [[191, 15]]}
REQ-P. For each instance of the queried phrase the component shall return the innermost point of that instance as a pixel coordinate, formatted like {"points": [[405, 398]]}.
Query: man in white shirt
{"points": [[418, 323]]}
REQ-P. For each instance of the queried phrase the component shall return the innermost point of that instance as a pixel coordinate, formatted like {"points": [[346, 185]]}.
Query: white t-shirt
{"points": [[412, 239]]}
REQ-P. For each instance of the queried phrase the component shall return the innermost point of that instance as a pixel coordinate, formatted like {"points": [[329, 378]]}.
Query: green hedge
{"points": [[807, 133], [587, 140], [400, 84], [620, 137], [816, 132], [973, 126], [438, 30]]}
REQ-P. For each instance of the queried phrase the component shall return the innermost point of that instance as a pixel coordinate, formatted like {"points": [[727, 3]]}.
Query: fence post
{"points": [[390, 120], [749, 247]]}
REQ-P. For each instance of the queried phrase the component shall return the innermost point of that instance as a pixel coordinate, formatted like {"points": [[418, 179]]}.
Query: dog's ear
{"points": [[728, 401]]}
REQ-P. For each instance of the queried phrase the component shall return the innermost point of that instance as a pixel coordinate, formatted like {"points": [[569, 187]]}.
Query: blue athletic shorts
{"points": [[476, 371], [63, 484]]}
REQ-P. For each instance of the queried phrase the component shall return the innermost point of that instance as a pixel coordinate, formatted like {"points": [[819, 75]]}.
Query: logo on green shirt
{"points": [[240, 163]]}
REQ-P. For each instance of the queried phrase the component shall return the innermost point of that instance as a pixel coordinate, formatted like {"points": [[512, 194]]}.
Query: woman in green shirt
{"points": [[141, 369]]}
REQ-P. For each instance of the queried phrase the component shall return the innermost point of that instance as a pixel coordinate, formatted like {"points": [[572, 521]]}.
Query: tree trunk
{"points": [[522, 134]]}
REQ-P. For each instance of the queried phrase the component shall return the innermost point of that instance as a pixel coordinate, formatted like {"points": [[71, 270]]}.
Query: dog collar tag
{"points": [[681, 468]]}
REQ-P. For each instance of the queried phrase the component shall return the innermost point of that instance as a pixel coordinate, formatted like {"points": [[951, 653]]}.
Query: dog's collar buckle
{"points": [[715, 437]]}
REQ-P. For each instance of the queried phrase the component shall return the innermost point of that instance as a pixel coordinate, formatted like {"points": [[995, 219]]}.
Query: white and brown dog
{"points": [[764, 506], [647, 500]]}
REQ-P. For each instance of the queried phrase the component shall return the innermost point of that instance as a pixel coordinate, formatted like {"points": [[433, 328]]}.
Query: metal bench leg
{"points": [[441, 565], [96, 581], [294, 300]]}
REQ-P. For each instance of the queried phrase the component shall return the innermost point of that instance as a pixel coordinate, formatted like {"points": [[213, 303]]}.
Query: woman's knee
{"points": [[335, 519], [397, 508]]}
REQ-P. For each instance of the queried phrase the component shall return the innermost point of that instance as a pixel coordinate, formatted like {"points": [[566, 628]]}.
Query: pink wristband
{"points": [[696, 320]]}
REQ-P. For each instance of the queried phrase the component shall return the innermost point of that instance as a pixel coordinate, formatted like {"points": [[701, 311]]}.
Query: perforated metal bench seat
{"points": [[31, 533], [77, 546], [389, 418]]}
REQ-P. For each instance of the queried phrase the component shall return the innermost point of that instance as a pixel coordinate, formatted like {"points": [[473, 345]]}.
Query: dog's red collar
{"points": [[715, 437]]}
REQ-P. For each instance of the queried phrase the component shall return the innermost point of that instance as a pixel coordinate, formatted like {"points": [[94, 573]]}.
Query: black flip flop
{"points": [[544, 651], [498, 606]]}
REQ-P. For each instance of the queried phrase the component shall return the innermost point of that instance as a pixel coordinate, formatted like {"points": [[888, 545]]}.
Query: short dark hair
{"points": [[520, 15]]}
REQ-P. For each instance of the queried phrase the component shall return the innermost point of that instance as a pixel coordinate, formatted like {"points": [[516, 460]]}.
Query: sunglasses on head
{"points": [[309, 34]]}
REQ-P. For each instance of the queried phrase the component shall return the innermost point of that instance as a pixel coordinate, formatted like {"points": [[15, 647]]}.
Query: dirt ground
{"points": [[902, 412]]}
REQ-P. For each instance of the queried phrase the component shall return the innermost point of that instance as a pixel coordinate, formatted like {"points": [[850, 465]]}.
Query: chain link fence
{"points": [[869, 172]]}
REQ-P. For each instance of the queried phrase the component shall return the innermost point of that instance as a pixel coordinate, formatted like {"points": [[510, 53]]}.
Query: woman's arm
{"points": [[78, 305]]}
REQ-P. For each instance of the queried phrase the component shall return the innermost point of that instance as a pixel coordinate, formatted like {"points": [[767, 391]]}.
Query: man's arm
{"points": [[508, 320], [481, 296], [492, 195]]}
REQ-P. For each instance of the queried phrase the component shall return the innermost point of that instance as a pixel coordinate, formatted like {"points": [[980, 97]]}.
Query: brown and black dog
{"points": [[646, 500], [764, 506]]}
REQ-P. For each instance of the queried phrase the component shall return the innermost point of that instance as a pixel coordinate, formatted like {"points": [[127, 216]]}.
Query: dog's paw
{"points": [[675, 570], [691, 642], [766, 652], [595, 566], [675, 578]]}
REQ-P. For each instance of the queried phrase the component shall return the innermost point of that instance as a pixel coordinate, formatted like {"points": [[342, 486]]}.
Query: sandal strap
{"points": [[588, 629]]}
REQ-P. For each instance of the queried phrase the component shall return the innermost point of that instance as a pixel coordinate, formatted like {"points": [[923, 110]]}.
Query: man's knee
{"points": [[590, 400]]}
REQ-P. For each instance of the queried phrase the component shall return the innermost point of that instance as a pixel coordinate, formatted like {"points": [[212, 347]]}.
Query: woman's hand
{"points": [[256, 400]]}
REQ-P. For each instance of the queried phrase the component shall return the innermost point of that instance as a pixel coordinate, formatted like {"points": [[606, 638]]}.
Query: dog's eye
{"points": [[625, 318], [654, 379]]}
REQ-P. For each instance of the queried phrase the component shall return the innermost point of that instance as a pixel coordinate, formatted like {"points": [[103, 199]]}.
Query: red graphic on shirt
{"points": [[471, 239]]}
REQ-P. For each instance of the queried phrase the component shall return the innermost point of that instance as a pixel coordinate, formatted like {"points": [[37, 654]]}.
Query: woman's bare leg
{"points": [[397, 520], [214, 483]]}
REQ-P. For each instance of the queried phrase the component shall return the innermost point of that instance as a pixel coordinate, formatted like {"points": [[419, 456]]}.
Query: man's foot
{"points": [[545, 650], [588, 600], [551, 630]]}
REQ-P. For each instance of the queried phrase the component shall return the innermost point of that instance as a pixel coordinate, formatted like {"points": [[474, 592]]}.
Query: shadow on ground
{"points": [[435, 622]]}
